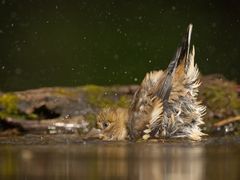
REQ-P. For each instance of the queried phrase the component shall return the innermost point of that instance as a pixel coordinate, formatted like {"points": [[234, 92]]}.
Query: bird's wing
{"points": [[145, 107], [151, 99]]}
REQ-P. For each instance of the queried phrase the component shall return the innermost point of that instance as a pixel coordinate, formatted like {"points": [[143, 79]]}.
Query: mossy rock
{"points": [[8, 105], [222, 100], [221, 97], [102, 97]]}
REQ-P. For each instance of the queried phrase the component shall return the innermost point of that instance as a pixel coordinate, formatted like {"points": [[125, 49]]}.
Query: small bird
{"points": [[164, 106]]}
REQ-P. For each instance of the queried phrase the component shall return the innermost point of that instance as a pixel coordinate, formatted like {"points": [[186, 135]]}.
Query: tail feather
{"points": [[185, 45], [166, 85], [181, 56]]}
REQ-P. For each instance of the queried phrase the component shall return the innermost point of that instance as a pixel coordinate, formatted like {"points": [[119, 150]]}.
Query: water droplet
{"points": [[18, 71], [139, 43], [226, 129], [18, 49], [214, 24], [13, 14], [116, 56], [135, 79], [119, 30], [149, 61], [67, 116]]}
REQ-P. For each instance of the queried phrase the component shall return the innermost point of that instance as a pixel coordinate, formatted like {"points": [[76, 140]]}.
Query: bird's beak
{"points": [[93, 134]]}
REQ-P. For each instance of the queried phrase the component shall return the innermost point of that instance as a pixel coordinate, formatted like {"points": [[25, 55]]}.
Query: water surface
{"points": [[64, 158]]}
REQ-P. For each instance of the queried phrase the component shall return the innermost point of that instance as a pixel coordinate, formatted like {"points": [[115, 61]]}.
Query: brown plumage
{"points": [[165, 104], [112, 123]]}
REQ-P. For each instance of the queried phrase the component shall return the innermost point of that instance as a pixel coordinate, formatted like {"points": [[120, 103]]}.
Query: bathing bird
{"points": [[164, 106]]}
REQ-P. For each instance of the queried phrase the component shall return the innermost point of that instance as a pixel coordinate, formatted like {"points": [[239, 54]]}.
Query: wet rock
{"points": [[44, 110]]}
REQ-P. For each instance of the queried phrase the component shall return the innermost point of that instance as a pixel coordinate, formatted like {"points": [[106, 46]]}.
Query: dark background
{"points": [[74, 42]]}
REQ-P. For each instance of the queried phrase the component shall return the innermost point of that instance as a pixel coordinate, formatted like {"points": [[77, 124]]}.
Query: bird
{"points": [[164, 106]]}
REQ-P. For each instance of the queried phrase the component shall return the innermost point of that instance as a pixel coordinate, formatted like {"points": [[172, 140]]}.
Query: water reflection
{"points": [[120, 161], [156, 162]]}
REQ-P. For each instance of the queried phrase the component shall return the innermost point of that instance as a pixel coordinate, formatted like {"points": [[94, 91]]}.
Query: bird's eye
{"points": [[105, 124]]}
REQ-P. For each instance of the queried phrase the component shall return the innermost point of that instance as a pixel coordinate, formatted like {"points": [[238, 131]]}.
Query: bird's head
{"points": [[112, 123]]}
